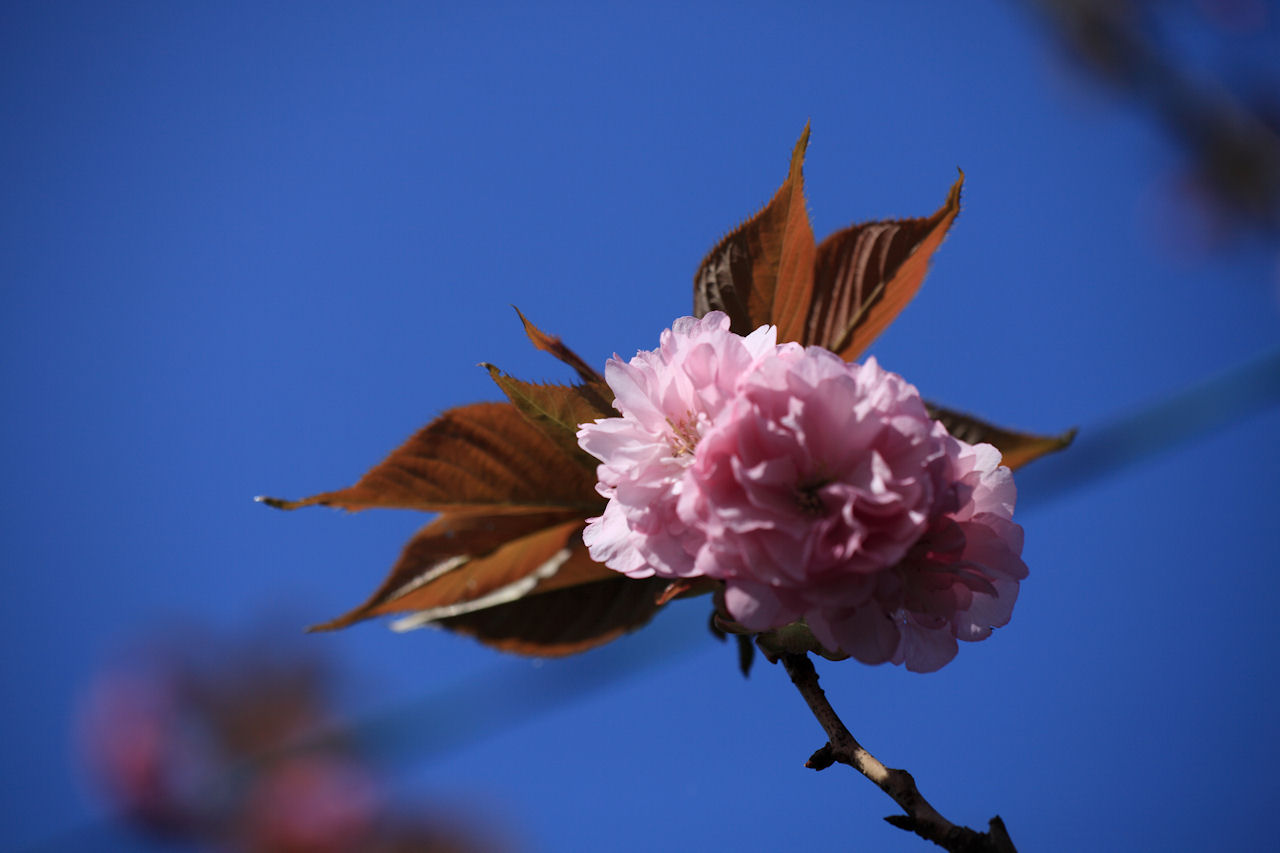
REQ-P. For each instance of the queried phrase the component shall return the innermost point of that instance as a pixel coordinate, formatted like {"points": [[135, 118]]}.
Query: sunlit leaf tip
{"points": [[1017, 448], [557, 410], [278, 503], [867, 273], [760, 272], [553, 345]]}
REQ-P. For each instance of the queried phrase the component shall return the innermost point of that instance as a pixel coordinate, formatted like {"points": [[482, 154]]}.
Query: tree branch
{"points": [[842, 747]]}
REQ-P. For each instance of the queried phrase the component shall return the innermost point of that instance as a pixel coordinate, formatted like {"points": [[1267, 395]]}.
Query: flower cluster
{"points": [[814, 488]]}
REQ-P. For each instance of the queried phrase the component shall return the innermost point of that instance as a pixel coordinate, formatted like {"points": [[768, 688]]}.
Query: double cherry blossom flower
{"points": [[815, 489]]}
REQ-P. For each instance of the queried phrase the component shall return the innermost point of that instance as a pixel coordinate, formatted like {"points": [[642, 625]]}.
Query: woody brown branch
{"points": [[842, 747]]}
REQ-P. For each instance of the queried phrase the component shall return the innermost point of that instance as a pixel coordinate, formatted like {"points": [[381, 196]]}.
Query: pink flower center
{"points": [[684, 434], [809, 497]]}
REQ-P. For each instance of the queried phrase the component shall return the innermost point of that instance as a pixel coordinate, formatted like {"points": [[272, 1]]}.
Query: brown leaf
{"points": [[762, 271], [485, 455], [839, 295], [514, 489], [513, 501], [564, 621], [1017, 448], [461, 557], [557, 410], [446, 571], [553, 345], [866, 274]]}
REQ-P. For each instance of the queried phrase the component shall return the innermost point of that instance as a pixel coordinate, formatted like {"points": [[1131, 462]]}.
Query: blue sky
{"points": [[249, 248]]}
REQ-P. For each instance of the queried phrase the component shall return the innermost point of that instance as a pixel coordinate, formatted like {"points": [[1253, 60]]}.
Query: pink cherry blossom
{"points": [[957, 582], [666, 397], [815, 489], [826, 492]]}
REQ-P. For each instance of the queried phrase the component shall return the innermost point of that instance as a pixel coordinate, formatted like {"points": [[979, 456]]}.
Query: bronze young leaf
{"points": [[485, 455], [842, 294], [513, 491], [460, 559], [839, 295], [553, 345], [565, 621], [866, 274], [1016, 448], [556, 409], [762, 271]]}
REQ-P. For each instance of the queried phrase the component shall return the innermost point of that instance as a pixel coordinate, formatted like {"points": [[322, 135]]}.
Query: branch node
{"points": [[999, 836], [822, 759], [902, 821], [921, 818]]}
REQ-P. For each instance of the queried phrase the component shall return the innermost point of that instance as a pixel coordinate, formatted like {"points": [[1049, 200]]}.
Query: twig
{"points": [[842, 747]]}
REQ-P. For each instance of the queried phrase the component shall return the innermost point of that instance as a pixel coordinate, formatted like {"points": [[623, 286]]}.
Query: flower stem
{"points": [[842, 747]]}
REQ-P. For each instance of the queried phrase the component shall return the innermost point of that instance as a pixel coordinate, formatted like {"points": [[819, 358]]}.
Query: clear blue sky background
{"points": [[249, 248]]}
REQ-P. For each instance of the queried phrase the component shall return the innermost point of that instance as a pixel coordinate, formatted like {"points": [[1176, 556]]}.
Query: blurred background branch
{"points": [[1229, 129]]}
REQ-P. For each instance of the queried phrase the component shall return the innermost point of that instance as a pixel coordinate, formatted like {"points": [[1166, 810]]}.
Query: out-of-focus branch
{"points": [[1236, 150], [842, 747]]}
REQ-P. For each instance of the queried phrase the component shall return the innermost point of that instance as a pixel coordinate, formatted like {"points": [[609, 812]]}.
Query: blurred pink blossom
{"points": [[152, 755], [230, 746], [814, 489], [312, 804]]}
